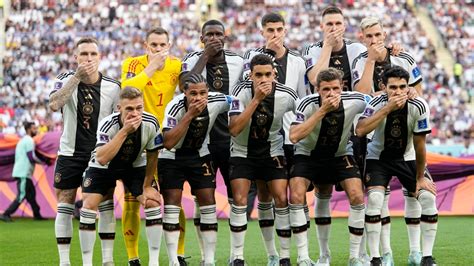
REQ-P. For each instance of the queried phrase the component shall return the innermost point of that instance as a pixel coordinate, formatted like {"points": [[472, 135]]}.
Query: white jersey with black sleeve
{"points": [[131, 154], [403, 60], [342, 60], [194, 143], [291, 71], [393, 137], [89, 104], [330, 137], [261, 137]]}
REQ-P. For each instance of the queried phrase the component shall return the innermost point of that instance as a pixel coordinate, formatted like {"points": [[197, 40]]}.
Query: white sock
{"points": [[322, 217], [308, 222], [154, 230], [299, 228], [283, 228], [266, 222], [107, 230], [87, 235], [63, 231], [412, 220], [356, 229], [197, 226], [386, 226], [363, 244], [231, 255], [238, 228], [429, 221], [209, 232], [171, 232], [373, 223]]}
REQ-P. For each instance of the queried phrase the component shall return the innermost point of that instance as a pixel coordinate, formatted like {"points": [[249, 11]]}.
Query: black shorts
{"points": [[359, 145], [220, 155], [100, 181], [266, 169], [289, 150], [379, 173], [325, 171], [69, 171], [198, 172]]}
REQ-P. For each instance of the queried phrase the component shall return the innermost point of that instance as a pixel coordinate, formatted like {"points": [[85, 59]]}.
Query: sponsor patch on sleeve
{"points": [[355, 75], [300, 117], [235, 104], [184, 66], [423, 124], [416, 72], [246, 66], [58, 85], [104, 138], [171, 122], [309, 62], [368, 112], [159, 140]]}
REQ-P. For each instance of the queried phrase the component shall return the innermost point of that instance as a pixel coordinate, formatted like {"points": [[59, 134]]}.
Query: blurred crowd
{"points": [[40, 39]]}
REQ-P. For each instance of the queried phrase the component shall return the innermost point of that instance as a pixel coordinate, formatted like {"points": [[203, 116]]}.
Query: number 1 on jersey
{"points": [[160, 99]]}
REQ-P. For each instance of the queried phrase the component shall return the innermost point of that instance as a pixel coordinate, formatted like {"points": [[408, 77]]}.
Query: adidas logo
{"points": [[129, 233]]}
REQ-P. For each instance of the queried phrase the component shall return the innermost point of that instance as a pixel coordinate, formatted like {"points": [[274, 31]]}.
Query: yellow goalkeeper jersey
{"points": [[157, 90]]}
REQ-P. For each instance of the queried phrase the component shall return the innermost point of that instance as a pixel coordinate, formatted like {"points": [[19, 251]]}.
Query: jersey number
{"points": [[349, 165], [160, 99], [207, 170]]}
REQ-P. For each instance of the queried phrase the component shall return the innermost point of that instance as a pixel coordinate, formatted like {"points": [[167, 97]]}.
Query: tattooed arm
{"points": [[59, 98]]}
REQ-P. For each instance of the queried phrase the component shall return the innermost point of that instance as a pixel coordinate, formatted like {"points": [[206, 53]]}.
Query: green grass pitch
{"points": [[28, 242]]}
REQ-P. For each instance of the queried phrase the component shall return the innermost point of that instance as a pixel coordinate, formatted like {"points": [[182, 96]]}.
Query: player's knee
{"points": [[281, 200], [375, 200], [356, 196], [240, 199], [87, 204], [151, 204], [296, 197], [427, 201]]}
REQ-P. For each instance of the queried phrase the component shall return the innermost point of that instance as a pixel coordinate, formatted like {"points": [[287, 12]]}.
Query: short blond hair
{"points": [[130, 93], [369, 22]]}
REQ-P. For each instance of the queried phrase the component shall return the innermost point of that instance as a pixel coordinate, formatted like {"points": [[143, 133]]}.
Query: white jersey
{"points": [[220, 78], [342, 60], [146, 137], [393, 137], [330, 137], [261, 137], [403, 60], [194, 143], [291, 71], [89, 104]]}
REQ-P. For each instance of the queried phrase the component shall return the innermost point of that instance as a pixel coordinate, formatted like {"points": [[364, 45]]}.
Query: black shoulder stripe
{"points": [[304, 104], [151, 121], [407, 56], [348, 42], [239, 88], [105, 125], [176, 107], [376, 101], [114, 121], [280, 87], [230, 53], [419, 105], [294, 53], [65, 75], [186, 57], [111, 80], [360, 56], [356, 97]]}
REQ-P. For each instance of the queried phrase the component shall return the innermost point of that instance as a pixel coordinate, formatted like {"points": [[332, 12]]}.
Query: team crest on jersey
{"points": [[58, 85], [416, 72], [130, 75], [184, 66], [87, 182], [235, 104], [300, 117], [171, 122], [309, 62], [368, 112], [104, 138], [423, 124], [57, 177]]}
